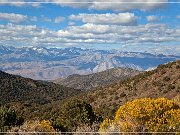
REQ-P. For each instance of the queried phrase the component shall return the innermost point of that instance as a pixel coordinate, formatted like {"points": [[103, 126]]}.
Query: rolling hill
{"points": [[100, 79]]}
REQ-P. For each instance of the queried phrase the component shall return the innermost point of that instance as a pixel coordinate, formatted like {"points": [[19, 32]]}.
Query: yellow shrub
{"points": [[108, 126], [45, 125], [155, 115], [105, 124], [169, 122]]}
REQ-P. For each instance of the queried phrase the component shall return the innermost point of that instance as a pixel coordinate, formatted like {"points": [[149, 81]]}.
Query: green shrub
{"points": [[75, 112], [8, 118]]}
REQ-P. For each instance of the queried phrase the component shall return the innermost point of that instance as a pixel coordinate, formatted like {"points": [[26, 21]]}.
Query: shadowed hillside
{"points": [[101, 79], [15, 88]]}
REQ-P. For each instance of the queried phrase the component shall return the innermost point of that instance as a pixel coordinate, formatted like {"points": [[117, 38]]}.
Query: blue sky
{"points": [[151, 26]]}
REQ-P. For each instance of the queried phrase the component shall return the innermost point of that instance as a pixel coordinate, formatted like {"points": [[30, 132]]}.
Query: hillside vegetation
{"points": [[148, 102], [18, 89], [100, 79], [161, 82]]}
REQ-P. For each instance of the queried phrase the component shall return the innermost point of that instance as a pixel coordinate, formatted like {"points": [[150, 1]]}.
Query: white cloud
{"points": [[88, 28], [116, 5], [93, 34], [59, 19], [17, 18], [152, 18], [71, 23], [73, 3], [9, 2], [110, 19], [11, 17], [20, 3]]}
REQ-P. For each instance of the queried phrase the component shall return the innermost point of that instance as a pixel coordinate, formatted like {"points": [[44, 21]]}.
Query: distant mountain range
{"points": [[42, 63], [100, 79]]}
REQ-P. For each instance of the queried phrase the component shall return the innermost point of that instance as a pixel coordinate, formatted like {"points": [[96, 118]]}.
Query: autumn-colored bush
{"points": [[107, 126], [153, 115]]}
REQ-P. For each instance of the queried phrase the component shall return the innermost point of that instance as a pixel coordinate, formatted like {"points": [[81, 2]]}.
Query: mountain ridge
{"points": [[42, 63], [100, 79]]}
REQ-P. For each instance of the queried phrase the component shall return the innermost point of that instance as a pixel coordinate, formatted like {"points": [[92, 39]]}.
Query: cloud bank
{"points": [[115, 5], [88, 34], [11, 17]]}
